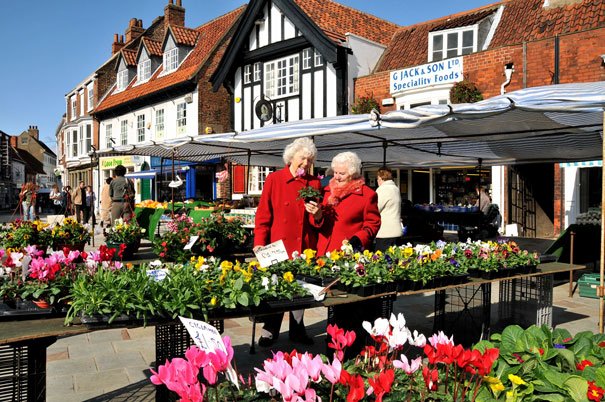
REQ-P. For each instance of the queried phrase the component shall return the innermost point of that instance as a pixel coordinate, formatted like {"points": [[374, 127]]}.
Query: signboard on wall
{"points": [[441, 72], [113, 161]]}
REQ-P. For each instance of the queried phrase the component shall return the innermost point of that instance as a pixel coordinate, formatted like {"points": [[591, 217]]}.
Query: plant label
{"points": [[157, 274], [271, 254], [317, 291], [191, 242]]}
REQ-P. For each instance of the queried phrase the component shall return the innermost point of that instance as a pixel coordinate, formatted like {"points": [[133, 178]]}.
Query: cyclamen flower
{"points": [[300, 172], [407, 366]]}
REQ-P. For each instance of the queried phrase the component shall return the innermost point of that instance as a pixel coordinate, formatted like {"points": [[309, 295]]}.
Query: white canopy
{"points": [[555, 123]]}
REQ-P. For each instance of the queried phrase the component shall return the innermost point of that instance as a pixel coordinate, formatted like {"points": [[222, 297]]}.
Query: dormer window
{"points": [[144, 70], [122, 79], [171, 59], [452, 43]]}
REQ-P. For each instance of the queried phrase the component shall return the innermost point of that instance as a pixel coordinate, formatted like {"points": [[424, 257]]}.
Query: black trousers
{"points": [[273, 325], [384, 243]]}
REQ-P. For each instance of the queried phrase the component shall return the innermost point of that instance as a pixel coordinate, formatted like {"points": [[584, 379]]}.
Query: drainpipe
{"points": [[509, 69]]}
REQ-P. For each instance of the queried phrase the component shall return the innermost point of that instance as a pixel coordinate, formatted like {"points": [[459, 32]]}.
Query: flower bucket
{"points": [[129, 251], [70, 247]]}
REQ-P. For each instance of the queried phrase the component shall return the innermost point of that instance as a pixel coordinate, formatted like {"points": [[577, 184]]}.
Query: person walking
{"points": [[281, 215], [89, 208], [121, 191], [78, 199], [28, 201], [56, 197], [389, 206], [106, 203], [67, 204]]}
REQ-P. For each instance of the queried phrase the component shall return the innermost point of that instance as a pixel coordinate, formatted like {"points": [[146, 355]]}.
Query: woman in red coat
{"points": [[282, 216], [349, 210]]}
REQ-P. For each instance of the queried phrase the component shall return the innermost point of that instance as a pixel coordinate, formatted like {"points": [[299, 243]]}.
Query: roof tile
{"points": [[153, 47], [130, 57], [184, 36]]}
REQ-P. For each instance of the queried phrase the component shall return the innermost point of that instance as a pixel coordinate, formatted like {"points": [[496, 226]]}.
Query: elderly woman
{"points": [[281, 215], [349, 210]]}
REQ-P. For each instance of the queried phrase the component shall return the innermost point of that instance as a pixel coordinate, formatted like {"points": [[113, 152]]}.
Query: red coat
{"points": [[281, 216], [355, 215]]}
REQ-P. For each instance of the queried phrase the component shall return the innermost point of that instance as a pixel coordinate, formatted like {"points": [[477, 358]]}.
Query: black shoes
{"points": [[302, 338], [265, 342]]}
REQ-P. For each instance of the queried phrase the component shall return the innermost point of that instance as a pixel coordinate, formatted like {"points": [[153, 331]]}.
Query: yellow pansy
{"points": [[237, 267], [335, 255], [494, 383], [309, 253], [516, 379], [367, 253], [247, 276], [407, 252], [213, 301], [288, 277]]}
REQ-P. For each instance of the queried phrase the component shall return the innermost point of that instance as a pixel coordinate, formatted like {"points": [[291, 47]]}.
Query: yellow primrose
{"points": [[407, 252], [288, 277], [309, 253], [247, 276], [335, 255], [516, 380], [213, 301], [494, 383]]}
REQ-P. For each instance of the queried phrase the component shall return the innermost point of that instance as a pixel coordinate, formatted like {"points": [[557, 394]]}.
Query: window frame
{"points": [[144, 70], [247, 74], [318, 59], [460, 48], [87, 138], [279, 85], [90, 92], [141, 128], [170, 60], [160, 119], [124, 132], [108, 135], [74, 143], [306, 58], [181, 118], [74, 107], [122, 79], [257, 72], [257, 175]]}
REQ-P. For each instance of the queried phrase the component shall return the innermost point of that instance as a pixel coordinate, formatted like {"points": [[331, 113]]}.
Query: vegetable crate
{"points": [[588, 285], [20, 378], [526, 301]]}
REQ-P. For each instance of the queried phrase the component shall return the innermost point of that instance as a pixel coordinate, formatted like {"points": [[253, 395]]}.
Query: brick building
{"points": [[499, 48]]}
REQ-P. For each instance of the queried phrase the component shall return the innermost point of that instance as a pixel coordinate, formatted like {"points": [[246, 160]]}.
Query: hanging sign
{"points": [[441, 72]]}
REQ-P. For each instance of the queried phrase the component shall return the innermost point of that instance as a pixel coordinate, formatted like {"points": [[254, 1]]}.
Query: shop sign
{"points": [[112, 162], [440, 72]]}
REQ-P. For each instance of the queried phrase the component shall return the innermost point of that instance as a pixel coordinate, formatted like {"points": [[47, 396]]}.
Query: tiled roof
{"points": [[336, 20], [31, 163], [154, 48], [130, 57], [183, 35], [522, 20], [209, 35]]}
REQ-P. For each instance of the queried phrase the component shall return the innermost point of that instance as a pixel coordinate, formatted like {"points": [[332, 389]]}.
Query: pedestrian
{"points": [[56, 198], [349, 210], [28, 201], [106, 203], [389, 206], [78, 199], [121, 191], [67, 204], [483, 200], [89, 209], [281, 215]]}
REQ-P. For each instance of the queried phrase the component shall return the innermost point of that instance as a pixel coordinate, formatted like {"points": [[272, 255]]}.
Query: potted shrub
{"points": [[128, 234]]}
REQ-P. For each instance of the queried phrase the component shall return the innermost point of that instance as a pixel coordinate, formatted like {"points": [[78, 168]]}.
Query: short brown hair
{"points": [[385, 174]]}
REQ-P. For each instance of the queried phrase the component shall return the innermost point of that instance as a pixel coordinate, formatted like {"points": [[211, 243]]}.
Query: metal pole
{"points": [[172, 188], [572, 236], [602, 268], [247, 172]]}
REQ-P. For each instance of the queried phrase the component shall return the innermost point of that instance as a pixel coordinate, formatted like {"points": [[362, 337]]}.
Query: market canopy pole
{"points": [[602, 270]]}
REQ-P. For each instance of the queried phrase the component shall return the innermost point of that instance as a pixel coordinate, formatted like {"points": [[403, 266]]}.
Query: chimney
{"points": [[33, 132], [118, 44], [174, 14], [14, 142], [134, 30]]}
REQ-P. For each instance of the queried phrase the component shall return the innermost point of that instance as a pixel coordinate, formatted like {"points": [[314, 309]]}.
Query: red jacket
{"points": [[355, 215], [281, 216]]}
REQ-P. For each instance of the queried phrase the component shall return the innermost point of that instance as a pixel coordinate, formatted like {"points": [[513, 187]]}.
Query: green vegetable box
{"points": [[588, 285]]}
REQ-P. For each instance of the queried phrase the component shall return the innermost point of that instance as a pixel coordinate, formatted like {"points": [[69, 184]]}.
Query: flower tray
{"points": [[315, 280], [284, 304], [23, 310]]}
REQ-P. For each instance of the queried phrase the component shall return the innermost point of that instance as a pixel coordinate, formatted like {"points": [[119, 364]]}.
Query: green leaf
{"points": [[243, 299], [239, 284]]}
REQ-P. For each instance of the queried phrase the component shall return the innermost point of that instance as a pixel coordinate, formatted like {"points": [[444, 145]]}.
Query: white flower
{"points": [[381, 327], [274, 280], [295, 254], [397, 322], [265, 283], [155, 264]]}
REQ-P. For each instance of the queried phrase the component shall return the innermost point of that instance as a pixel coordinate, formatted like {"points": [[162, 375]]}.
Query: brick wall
{"points": [[376, 84]]}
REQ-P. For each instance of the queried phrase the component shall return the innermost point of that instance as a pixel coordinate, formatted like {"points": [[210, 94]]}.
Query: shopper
{"points": [[106, 203], [121, 191], [349, 210], [89, 209], [67, 203], [389, 206], [78, 199], [28, 201], [282, 216], [483, 200], [56, 197]]}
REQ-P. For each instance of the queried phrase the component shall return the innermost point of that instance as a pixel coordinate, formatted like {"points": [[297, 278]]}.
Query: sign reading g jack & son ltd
{"points": [[440, 72]]}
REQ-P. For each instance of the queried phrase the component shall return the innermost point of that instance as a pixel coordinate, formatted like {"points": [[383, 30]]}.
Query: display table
{"points": [[464, 308]]}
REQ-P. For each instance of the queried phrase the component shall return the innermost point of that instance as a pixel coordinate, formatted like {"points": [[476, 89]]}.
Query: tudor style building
{"points": [[296, 59], [501, 47]]}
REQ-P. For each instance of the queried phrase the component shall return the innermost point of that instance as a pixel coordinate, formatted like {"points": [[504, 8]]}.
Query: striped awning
{"points": [[584, 164]]}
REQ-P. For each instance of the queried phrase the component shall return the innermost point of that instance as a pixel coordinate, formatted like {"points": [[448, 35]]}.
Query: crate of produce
{"points": [[588, 285]]}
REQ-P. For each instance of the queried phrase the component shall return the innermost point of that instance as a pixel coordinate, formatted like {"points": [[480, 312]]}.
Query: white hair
{"points": [[351, 161], [304, 144]]}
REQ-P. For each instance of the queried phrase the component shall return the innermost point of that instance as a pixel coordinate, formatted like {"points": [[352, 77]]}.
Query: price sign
{"points": [[271, 254], [191, 242], [157, 274]]}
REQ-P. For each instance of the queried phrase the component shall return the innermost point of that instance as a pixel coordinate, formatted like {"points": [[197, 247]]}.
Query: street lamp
{"points": [[93, 161]]}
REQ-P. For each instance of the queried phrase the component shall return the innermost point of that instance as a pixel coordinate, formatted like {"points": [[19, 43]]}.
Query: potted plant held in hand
{"points": [[309, 193], [125, 237]]}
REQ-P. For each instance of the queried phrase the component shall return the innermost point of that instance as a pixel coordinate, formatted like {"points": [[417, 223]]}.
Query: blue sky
{"points": [[51, 46]]}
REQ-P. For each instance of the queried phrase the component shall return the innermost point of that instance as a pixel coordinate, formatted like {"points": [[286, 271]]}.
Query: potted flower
{"points": [[128, 234], [309, 193], [19, 234], [70, 234], [220, 235], [169, 247]]}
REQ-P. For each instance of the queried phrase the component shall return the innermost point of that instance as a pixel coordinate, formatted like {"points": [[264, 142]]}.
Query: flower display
{"points": [[20, 234], [70, 232], [124, 232]]}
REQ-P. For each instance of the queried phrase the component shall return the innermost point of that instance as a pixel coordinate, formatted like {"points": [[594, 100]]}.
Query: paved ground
{"points": [[113, 364]]}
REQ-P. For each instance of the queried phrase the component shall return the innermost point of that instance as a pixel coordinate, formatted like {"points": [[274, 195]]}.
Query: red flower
{"points": [[541, 351], [583, 364], [602, 344], [430, 378], [594, 393], [382, 383], [355, 384], [518, 357]]}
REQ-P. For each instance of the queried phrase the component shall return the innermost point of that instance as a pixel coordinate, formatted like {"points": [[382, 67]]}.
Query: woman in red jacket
{"points": [[349, 210], [282, 216]]}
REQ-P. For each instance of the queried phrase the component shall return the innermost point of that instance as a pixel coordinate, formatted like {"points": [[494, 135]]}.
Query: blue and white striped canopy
{"points": [[555, 123]]}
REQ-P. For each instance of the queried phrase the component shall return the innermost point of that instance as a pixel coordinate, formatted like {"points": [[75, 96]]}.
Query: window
{"points": [[319, 60], [74, 143], [124, 132], [141, 128], [74, 107], [281, 77], [306, 58], [247, 74], [90, 91], [256, 179], [171, 59], [108, 136], [82, 103], [88, 139], [181, 118], [452, 43], [257, 72], [159, 123], [144, 70], [81, 138], [122, 79]]}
